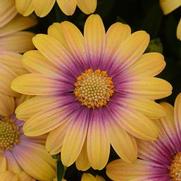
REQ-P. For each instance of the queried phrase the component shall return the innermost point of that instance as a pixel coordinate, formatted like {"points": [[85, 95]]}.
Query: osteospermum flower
{"points": [[11, 26], [67, 6], [22, 158], [168, 6], [89, 177], [92, 91], [159, 160]]}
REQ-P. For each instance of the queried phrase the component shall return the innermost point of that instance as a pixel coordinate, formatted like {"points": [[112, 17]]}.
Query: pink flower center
{"points": [[94, 88], [175, 168], [9, 134]]}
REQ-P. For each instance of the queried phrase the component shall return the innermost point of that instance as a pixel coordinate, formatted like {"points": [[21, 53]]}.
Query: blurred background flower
{"points": [[42, 8], [159, 160], [11, 28]]}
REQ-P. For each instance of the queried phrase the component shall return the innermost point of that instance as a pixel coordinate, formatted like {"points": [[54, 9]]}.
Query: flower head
{"points": [[159, 160], [92, 91], [11, 26], [67, 6], [168, 6], [21, 157]]}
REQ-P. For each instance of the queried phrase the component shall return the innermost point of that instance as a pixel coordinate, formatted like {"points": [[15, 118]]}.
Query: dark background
{"points": [[140, 15]]}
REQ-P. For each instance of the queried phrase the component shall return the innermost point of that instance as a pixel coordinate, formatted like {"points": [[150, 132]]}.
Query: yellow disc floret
{"points": [[175, 168], [9, 134], [94, 88]]}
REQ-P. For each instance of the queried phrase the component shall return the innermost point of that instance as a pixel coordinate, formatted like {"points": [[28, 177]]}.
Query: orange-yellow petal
{"points": [[179, 30], [87, 6], [97, 141], [67, 6], [123, 143], [42, 8], [24, 7], [169, 5]]}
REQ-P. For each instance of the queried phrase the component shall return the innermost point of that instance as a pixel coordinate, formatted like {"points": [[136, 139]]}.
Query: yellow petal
{"points": [[25, 110], [148, 107], [132, 48], [24, 40], [97, 141], [82, 162], [67, 6], [6, 105], [3, 163], [17, 24], [41, 8], [177, 113], [121, 32], [138, 125], [13, 61], [7, 11], [153, 63], [123, 143], [35, 84], [74, 140], [55, 52], [179, 30], [94, 34], [87, 177], [44, 122], [37, 63], [7, 75], [24, 176], [169, 5], [55, 139], [74, 40], [28, 154], [87, 6], [55, 30], [168, 122], [5, 176], [152, 88], [119, 170], [12, 163], [24, 7]]}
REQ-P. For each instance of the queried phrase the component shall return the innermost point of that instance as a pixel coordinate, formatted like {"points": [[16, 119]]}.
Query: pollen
{"points": [[94, 89], [9, 134], [175, 168]]}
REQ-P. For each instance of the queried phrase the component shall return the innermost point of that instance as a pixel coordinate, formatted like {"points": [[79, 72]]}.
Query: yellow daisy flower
{"points": [[168, 6], [92, 91], [11, 26], [89, 177], [26, 7], [21, 158], [159, 160]]}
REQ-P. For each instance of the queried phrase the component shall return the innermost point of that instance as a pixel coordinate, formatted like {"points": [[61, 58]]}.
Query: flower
{"points": [[168, 6], [89, 177], [67, 6], [91, 91], [21, 157], [11, 26], [159, 160]]}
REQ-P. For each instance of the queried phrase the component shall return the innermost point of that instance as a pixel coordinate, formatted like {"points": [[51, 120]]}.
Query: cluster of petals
{"points": [[156, 159], [26, 7]]}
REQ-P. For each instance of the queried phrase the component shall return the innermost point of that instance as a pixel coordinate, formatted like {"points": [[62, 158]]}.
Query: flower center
{"points": [[9, 134], [175, 168], [94, 88]]}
